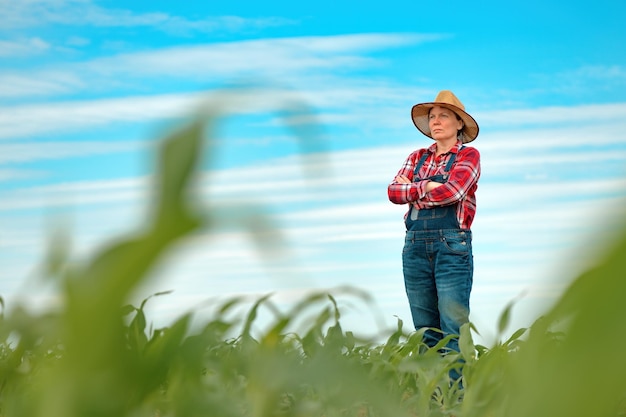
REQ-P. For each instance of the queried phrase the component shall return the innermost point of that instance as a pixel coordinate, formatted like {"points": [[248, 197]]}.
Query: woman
{"points": [[439, 185]]}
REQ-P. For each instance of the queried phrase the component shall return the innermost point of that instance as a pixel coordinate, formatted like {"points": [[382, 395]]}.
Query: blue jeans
{"points": [[438, 273]]}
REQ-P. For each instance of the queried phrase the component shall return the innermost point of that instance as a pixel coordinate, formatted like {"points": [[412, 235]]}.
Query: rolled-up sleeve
{"points": [[407, 193]]}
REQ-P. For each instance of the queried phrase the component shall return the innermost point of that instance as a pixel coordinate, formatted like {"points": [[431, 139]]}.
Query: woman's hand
{"points": [[401, 179], [430, 185]]}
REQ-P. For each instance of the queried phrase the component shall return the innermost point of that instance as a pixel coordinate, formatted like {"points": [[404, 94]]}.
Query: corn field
{"points": [[96, 355]]}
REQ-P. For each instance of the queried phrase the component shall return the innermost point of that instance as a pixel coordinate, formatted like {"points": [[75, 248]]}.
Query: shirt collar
{"points": [[455, 149]]}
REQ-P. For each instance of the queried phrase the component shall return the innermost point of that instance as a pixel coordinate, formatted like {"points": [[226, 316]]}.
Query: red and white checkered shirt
{"points": [[460, 187]]}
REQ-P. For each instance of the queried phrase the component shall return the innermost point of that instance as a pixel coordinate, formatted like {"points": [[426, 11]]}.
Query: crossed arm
{"points": [[430, 185], [425, 194]]}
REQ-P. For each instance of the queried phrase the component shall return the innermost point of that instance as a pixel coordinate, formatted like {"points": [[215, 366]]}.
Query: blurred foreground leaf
{"points": [[572, 363]]}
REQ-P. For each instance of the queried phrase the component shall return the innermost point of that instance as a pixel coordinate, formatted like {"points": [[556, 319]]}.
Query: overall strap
{"points": [[422, 160], [452, 159], [419, 165]]}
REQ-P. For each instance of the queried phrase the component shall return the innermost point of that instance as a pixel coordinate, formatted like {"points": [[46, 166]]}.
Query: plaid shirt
{"points": [[460, 188]]}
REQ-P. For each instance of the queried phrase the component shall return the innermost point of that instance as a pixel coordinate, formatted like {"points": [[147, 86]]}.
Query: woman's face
{"points": [[443, 123]]}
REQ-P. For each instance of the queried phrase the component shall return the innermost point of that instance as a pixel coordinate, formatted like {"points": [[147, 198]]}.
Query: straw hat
{"points": [[445, 98]]}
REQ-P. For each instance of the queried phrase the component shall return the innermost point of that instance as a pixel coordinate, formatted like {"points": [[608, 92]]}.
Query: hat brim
{"points": [[419, 114]]}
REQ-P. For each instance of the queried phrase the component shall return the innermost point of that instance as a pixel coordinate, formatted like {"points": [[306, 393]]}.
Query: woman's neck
{"points": [[444, 146]]}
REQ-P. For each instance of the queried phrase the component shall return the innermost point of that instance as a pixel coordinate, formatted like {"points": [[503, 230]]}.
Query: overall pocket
{"points": [[457, 242]]}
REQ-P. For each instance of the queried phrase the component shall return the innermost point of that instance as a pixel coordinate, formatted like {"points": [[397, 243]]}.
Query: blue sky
{"points": [[88, 87]]}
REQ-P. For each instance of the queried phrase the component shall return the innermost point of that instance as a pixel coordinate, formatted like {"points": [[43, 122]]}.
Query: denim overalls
{"points": [[437, 263], [439, 217]]}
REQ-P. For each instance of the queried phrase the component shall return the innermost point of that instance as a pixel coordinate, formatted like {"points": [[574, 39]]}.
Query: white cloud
{"points": [[296, 62], [350, 105], [228, 60], [610, 72], [30, 152], [17, 120], [22, 47], [593, 113], [538, 150], [127, 191], [261, 57], [18, 174], [38, 83], [77, 41], [34, 119], [601, 77], [29, 13]]}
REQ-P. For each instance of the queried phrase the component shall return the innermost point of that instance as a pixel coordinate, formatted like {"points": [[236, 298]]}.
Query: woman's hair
{"points": [[460, 131], [453, 112]]}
